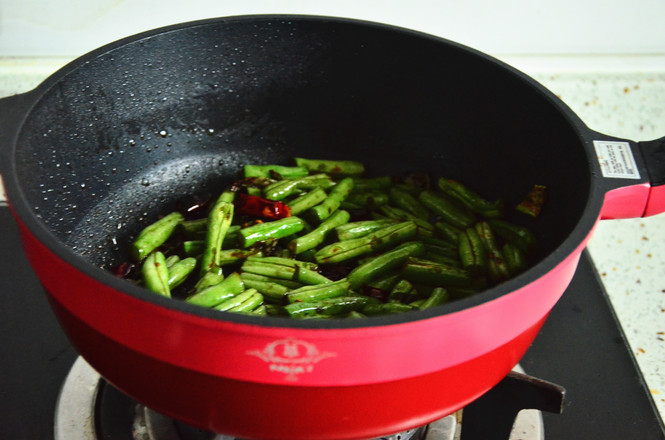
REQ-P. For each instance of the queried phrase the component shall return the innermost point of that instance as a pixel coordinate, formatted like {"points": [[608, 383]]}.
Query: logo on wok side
{"points": [[291, 357]]}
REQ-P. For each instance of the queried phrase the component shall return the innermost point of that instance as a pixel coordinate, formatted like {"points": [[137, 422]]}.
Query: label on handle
{"points": [[616, 159]]}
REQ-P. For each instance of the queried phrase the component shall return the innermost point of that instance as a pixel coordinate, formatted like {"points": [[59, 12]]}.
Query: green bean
{"points": [[219, 221], [179, 271], [218, 293], [425, 228], [497, 268], [335, 198], [438, 296], [193, 248], [290, 285], [235, 300], [518, 236], [472, 200], [447, 210], [283, 172], [155, 235], [355, 315], [270, 290], [386, 309], [260, 311], [403, 292], [435, 274], [514, 259], [209, 279], [386, 282], [382, 239], [248, 304], [296, 273], [284, 188], [284, 261], [371, 183], [194, 229], [368, 199], [359, 229], [318, 235], [319, 291], [448, 232], [332, 167], [384, 263], [171, 260], [306, 201], [408, 203], [267, 230], [331, 306], [473, 253], [156, 274]]}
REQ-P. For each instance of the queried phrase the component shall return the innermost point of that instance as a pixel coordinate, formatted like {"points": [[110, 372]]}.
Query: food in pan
{"points": [[321, 240]]}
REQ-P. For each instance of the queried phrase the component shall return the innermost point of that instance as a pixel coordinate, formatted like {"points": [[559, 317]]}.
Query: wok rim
{"points": [[21, 208]]}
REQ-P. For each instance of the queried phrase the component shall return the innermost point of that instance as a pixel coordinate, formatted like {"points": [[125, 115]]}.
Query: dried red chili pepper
{"points": [[260, 207]]}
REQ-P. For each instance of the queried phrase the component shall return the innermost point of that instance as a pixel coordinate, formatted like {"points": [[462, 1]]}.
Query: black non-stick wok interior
{"points": [[133, 129]]}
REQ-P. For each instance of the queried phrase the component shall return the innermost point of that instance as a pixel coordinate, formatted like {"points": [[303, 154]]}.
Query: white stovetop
{"points": [[619, 96]]}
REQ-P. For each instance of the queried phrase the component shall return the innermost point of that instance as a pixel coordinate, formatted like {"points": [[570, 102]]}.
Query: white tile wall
{"points": [[73, 27]]}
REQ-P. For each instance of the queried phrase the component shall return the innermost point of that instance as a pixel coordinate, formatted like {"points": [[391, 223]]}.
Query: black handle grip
{"points": [[654, 156], [13, 111]]}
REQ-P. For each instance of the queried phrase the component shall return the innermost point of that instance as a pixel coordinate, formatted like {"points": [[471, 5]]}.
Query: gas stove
{"points": [[581, 348]]}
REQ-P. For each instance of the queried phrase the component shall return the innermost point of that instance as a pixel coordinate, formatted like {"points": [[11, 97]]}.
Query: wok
{"points": [[118, 136]]}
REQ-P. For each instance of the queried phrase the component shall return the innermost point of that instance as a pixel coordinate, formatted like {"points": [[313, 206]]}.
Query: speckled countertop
{"points": [[629, 254]]}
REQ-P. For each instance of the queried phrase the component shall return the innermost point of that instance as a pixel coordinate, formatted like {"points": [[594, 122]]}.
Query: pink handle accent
{"points": [[626, 202], [633, 201], [656, 202]]}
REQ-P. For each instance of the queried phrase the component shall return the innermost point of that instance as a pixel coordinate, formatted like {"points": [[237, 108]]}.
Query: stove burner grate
{"points": [[88, 408]]}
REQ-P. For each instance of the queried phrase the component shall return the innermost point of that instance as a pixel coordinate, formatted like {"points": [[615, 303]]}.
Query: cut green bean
{"points": [[448, 232], [290, 285], [235, 300], [332, 167], [337, 195], [270, 290], [219, 221], [155, 235], [447, 209], [332, 306], [359, 229], [194, 229], [497, 268], [386, 282], [318, 235], [514, 259], [472, 252], [209, 279], [297, 273], [438, 296], [248, 304], [270, 230], [408, 202], [284, 188], [179, 271], [306, 201], [518, 236], [384, 263], [371, 183], [273, 171], [403, 292], [171, 260], [384, 238], [216, 294], [387, 309], [435, 274], [368, 200], [319, 292], [470, 199], [156, 274]]}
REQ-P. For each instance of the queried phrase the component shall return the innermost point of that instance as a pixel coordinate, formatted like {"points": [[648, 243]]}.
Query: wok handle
{"points": [[634, 176], [654, 156], [13, 110]]}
